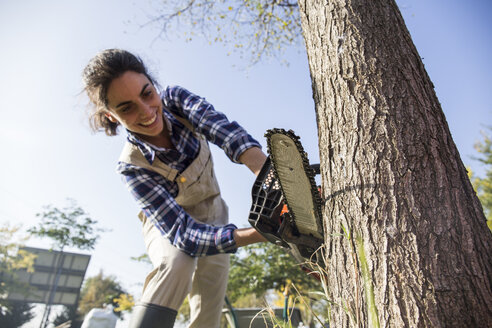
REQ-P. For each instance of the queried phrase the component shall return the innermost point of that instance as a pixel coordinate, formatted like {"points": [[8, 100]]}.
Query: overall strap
{"points": [[132, 155]]}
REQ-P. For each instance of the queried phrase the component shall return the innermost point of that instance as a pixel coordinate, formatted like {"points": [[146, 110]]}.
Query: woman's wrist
{"points": [[254, 159], [247, 236]]}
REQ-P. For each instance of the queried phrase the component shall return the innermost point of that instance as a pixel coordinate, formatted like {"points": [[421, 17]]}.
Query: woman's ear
{"points": [[110, 117]]}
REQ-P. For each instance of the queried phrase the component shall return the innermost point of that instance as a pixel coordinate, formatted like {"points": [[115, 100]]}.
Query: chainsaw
{"points": [[286, 206]]}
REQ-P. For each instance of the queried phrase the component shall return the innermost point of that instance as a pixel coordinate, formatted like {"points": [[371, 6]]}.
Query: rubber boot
{"points": [[147, 315]]}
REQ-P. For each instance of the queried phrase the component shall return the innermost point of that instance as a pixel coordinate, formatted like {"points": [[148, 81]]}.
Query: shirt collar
{"points": [[145, 148]]}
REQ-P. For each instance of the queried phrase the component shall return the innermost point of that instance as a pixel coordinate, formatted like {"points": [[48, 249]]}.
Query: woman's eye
{"points": [[126, 109], [147, 94]]}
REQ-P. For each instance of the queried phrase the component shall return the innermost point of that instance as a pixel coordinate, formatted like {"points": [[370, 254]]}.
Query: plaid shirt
{"points": [[155, 194]]}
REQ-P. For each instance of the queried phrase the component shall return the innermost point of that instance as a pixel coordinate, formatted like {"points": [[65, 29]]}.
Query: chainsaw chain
{"points": [[307, 169]]}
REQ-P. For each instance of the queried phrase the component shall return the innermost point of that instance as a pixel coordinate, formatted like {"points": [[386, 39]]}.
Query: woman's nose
{"points": [[145, 108]]}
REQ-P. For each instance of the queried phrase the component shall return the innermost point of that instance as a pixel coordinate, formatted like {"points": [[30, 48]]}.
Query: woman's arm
{"points": [[192, 237], [246, 236], [230, 136], [254, 159], [212, 124]]}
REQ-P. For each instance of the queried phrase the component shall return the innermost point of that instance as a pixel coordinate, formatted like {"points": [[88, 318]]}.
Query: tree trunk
{"points": [[406, 239]]}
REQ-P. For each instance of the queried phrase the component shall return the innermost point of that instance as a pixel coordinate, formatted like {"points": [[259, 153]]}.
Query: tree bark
{"points": [[406, 239]]}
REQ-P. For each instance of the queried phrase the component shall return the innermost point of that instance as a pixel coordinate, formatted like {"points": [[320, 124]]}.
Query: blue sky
{"points": [[49, 152]]}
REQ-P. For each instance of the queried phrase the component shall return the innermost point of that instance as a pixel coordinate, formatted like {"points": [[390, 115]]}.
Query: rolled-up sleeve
{"points": [[194, 238], [214, 125]]}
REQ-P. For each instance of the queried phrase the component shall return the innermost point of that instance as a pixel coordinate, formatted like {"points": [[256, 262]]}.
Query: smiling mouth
{"points": [[149, 122]]}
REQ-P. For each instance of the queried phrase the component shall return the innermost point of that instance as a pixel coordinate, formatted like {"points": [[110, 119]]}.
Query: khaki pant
{"points": [[176, 274]]}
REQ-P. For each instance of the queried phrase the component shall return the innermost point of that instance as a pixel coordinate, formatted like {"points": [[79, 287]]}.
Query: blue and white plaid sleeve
{"points": [[214, 125], [192, 237]]}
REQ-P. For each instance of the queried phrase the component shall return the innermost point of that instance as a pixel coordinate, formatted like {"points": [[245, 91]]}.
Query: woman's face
{"points": [[134, 102]]}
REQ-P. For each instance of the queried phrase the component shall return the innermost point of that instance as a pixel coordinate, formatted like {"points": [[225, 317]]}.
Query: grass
{"points": [[358, 254]]}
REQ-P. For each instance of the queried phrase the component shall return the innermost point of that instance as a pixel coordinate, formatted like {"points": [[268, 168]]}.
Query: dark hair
{"points": [[98, 74]]}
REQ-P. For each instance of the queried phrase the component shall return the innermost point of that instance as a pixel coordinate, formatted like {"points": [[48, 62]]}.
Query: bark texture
{"points": [[393, 181]]}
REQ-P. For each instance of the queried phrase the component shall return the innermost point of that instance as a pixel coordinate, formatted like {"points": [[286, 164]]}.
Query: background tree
{"points": [[15, 314], [483, 186], [69, 313], [414, 249], [125, 303], [13, 258], [256, 270], [71, 227], [256, 29], [259, 269], [98, 291]]}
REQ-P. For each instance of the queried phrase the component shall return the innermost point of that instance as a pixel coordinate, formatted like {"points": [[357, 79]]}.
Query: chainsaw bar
{"points": [[286, 205], [296, 179]]}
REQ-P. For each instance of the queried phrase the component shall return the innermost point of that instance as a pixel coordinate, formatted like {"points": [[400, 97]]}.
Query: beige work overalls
{"points": [[175, 273]]}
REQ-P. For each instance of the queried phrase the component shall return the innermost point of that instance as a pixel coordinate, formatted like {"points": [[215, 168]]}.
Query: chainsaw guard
{"points": [[264, 215], [267, 217]]}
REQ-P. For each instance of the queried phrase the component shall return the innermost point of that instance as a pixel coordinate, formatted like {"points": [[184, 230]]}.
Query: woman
{"points": [[167, 166]]}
